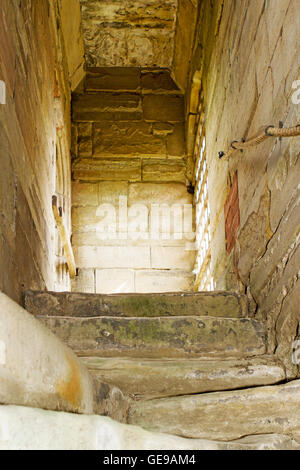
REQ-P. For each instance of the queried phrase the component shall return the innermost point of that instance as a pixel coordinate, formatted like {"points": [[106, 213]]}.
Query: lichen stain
{"points": [[71, 390]]}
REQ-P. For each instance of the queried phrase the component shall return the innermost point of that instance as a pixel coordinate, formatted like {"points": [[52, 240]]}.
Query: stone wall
{"points": [[129, 143], [247, 54], [36, 109]]}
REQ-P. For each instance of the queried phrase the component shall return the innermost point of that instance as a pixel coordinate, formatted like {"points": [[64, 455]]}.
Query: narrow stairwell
{"points": [[191, 364]]}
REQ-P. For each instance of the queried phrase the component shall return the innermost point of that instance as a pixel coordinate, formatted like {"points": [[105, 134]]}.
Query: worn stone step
{"points": [[223, 415], [215, 304], [160, 337], [147, 379], [36, 429]]}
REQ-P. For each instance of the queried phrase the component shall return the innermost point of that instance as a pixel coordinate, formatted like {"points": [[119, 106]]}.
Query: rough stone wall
{"points": [[129, 142], [35, 81], [247, 53]]}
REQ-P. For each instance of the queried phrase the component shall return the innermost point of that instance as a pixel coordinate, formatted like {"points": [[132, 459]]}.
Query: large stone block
{"points": [[154, 280], [113, 281], [223, 415], [215, 304], [158, 81], [159, 193], [176, 142], [85, 194], [127, 139], [172, 258], [107, 170], [159, 337], [113, 79], [84, 282], [106, 257], [107, 106], [146, 379], [168, 108], [164, 171]]}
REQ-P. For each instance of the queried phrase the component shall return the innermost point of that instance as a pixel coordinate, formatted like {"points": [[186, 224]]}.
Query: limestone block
{"points": [[169, 108], [164, 281], [159, 337], [107, 170], [149, 47], [36, 369], [172, 258], [223, 415], [215, 304], [84, 282], [127, 139], [162, 128], [146, 379], [107, 106], [112, 257], [112, 281], [164, 171], [84, 194]]}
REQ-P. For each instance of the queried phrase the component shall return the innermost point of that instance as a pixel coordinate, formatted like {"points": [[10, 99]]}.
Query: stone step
{"points": [[36, 429], [215, 304], [223, 416], [148, 379], [159, 337]]}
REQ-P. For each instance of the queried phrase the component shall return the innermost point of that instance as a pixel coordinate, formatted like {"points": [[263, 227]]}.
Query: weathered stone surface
{"points": [[127, 139], [34, 429], [223, 415], [159, 337], [159, 193], [107, 170], [164, 171], [107, 106], [168, 108], [85, 194], [165, 378], [215, 304], [113, 79], [159, 81], [139, 34], [36, 369], [84, 282], [110, 401]]}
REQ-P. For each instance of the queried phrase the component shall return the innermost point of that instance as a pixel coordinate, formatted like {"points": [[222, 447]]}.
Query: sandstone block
{"points": [[159, 337], [107, 106], [146, 379], [84, 194], [84, 282], [169, 108], [215, 304], [223, 415], [107, 170], [164, 171], [172, 258], [127, 139], [113, 79]]}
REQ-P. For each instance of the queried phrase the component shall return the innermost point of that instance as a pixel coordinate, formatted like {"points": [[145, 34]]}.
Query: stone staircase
{"points": [[192, 364]]}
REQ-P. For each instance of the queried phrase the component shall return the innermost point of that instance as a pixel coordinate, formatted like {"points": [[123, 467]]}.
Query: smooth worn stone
{"points": [[113, 79], [168, 108], [215, 304], [107, 106], [159, 337], [223, 415], [36, 369], [35, 429], [148, 379], [158, 81], [107, 169]]}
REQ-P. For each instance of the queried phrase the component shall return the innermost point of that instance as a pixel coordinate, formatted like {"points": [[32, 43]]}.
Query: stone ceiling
{"points": [[123, 33]]}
